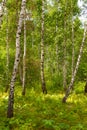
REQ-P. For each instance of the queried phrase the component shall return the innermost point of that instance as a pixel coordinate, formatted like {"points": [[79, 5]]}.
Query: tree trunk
{"points": [[72, 39], [64, 63], [20, 72], [7, 54], [24, 57], [76, 68], [2, 11], [42, 51], [85, 88], [16, 63]]}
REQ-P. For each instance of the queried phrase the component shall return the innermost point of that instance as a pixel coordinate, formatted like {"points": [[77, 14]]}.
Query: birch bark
{"points": [[76, 67], [7, 53], [16, 63], [24, 56], [72, 39], [42, 51], [2, 11], [64, 63]]}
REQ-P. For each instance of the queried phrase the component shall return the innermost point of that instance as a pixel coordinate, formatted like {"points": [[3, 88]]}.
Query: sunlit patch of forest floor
{"points": [[36, 111]]}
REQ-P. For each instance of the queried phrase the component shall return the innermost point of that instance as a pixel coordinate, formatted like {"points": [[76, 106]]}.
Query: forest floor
{"points": [[36, 111]]}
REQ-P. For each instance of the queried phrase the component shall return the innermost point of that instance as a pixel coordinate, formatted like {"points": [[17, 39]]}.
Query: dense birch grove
{"points": [[42, 51]]}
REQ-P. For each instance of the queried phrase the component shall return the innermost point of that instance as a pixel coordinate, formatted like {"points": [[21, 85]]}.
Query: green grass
{"points": [[36, 111]]}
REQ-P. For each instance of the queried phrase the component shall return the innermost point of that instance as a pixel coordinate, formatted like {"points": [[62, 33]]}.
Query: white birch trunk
{"points": [[7, 54], [42, 50], [64, 63], [16, 63], [24, 56], [2, 11], [76, 68], [73, 52]]}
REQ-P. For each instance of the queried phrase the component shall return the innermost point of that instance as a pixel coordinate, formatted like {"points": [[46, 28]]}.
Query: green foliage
{"points": [[36, 111]]}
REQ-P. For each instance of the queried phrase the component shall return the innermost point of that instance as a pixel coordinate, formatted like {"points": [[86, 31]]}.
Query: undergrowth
{"points": [[36, 111]]}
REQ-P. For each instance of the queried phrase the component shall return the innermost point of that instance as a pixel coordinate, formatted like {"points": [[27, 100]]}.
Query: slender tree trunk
{"points": [[57, 58], [72, 39], [20, 72], [64, 63], [85, 88], [42, 51], [56, 31], [32, 39], [16, 63], [7, 54], [76, 68], [2, 11], [24, 57]]}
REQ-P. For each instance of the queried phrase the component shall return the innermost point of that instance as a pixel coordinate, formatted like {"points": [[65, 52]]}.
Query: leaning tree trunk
{"points": [[24, 57], [16, 63], [2, 11], [76, 68], [42, 51]]}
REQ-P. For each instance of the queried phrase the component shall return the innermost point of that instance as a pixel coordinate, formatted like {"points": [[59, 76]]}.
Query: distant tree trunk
{"points": [[85, 88], [76, 69], [7, 54], [20, 72], [16, 63], [57, 58], [56, 31], [64, 63], [24, 57], [72, 39], [32, 39], [2, 11], [42, 51]]}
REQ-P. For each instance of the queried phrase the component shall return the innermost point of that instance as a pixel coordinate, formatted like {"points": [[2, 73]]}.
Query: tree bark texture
{"points": [[73, 51], [2, 11], [64, 63], [7, 54], [16, 63], [76, 68], [24, 57], [42, 51]]}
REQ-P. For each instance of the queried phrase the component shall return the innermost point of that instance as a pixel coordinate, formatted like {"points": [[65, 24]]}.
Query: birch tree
{"points": [[2, 8], [24, 56], [64, 63], [42, 50], [76, 67], [72, 38], [7, 53], [56, 30], [16, 63]]}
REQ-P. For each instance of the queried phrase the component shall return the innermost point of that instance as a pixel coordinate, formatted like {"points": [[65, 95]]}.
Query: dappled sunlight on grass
{"points": [[37, 111]]}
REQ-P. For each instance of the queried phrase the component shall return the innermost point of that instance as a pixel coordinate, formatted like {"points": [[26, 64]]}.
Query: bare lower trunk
{"points": [[24, 59], [2, 10], [85, 88], [42, 51], [76, 69], [20, 73], [16, 63]]}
